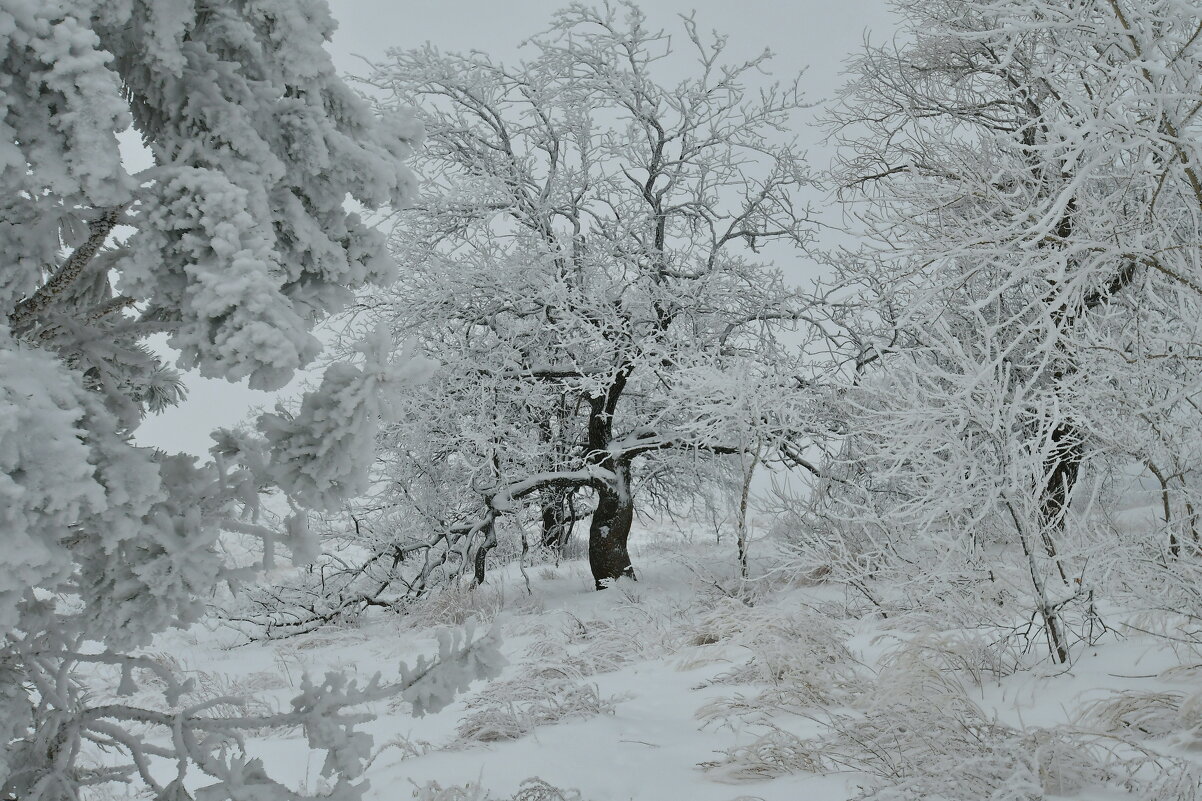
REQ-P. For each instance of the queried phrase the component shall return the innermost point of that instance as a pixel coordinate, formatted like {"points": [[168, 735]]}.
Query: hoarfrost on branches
{"points": [[590, 273], [234, 243]]}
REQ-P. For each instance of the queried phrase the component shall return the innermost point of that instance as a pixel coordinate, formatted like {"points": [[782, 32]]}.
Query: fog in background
{"points": [[806, 35]]}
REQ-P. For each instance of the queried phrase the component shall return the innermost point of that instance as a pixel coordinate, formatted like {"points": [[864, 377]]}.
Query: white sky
{"points": [[803, 34]]}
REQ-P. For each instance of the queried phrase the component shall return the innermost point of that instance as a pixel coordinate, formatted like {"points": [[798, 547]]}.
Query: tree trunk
{"points": [[558, 519], [1174, 545], [486, 542], [1193, 522], [478, 560], [1057, 643], [557, 511], [610, 530], [744, 496], [1062, 468]]}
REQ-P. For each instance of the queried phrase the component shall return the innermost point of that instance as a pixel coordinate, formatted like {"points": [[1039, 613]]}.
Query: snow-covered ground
{"points": [[686, 685]]}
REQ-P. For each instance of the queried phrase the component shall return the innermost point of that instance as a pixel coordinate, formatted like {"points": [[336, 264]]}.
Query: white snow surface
{"points": [[635, 680]]}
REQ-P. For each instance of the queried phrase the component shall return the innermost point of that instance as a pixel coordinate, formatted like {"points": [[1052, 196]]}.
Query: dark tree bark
{"points": [[1063, 466], [610, 530], [1062, 469], [478, 564], [488, 540], [610, 527]]}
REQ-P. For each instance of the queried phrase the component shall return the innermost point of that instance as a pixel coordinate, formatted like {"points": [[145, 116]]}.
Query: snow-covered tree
{"points": [[1027, 172], [588, 273], [233, 243]]}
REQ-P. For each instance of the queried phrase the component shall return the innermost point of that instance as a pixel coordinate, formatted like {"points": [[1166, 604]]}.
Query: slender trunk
{"points": [[1062, 468], [522, 561], [1057, 643], [610, 530], [1174, 545], [557, 510], [1063, 465], [558, 520], [551, 514], [1193, 522], [744, 496]]}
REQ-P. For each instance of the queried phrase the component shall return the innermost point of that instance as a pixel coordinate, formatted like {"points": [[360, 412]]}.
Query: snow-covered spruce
{"points": [[233, 242]]}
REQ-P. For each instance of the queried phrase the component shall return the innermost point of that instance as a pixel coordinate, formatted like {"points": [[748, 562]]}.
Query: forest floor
{"points": [[691, 685]]}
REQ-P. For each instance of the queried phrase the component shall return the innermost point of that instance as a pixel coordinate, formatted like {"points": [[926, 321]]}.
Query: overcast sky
{"points": [[808, 35], [803, 33]]}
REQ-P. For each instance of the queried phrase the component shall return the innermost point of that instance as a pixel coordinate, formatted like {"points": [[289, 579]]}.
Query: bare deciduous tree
{"points": [[1027, 174], [589, 265]]}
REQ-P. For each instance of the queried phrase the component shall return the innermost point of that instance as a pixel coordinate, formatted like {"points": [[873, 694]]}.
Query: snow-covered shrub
{"points": [[457, 604], [978, 655], [405, 748], [775, 752], [931, 744], [1176, 715], [1181, 782], [511, 709], [550, 683], [1140, 573], [433, 791], [799, 655], [602, 645], [916, 733], [539, 790]]}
